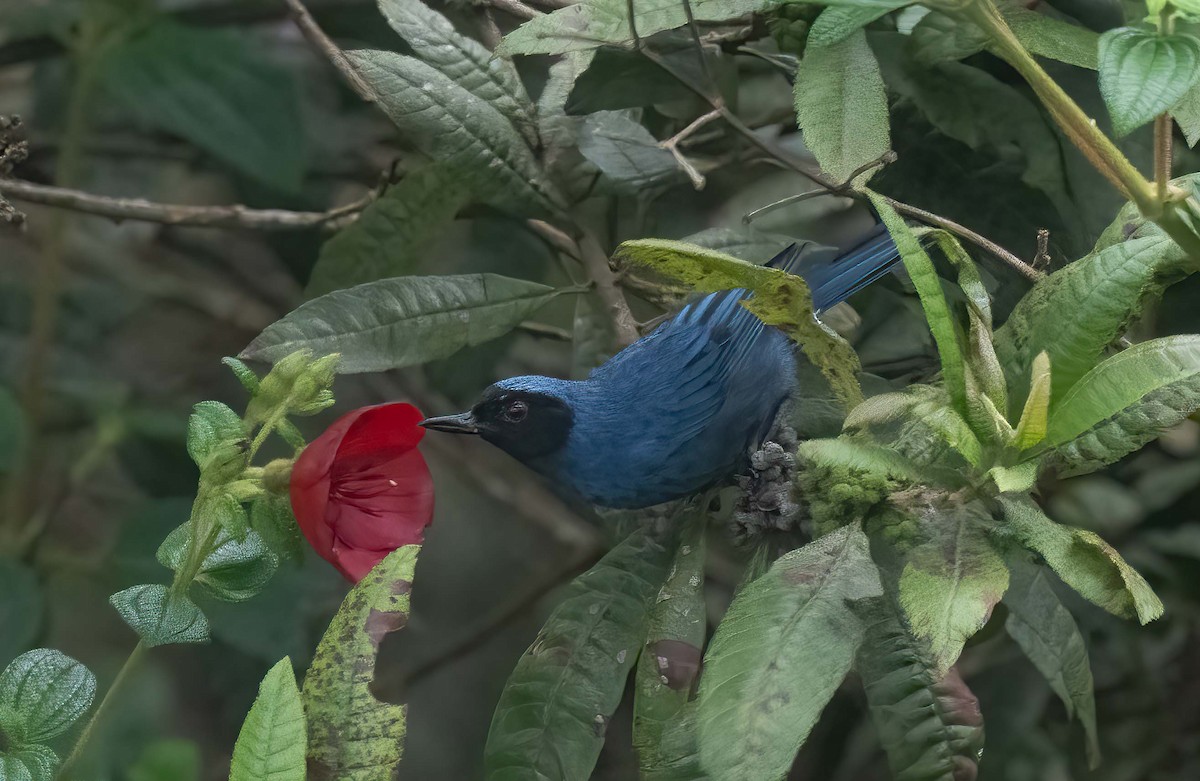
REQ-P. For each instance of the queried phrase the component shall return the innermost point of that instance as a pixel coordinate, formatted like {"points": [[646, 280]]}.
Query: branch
{"points": [[324, 44], [672, 146], [514, 7], [119, 209], [595, 263]]}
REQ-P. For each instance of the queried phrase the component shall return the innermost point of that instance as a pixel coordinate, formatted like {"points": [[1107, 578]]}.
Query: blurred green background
{"points": [[216, 102]]}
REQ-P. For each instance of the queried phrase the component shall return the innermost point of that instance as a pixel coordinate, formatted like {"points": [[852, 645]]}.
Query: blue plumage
{"points": [[678, 410]]}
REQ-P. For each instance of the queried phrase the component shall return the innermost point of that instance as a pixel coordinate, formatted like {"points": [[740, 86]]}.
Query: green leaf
{"points": [[622, 79], [1123, 381], [391, 237], [625, 152], [669, 663], [1143, 74], [560, 132], [952, 577], [1076, 312], [743, 243], [933, 301], [1187, 115], [841, 106], [404, 321], [555, 708], [368, 745], [1085, 562], [469, 135], [42, 693], [245, 375], [1046, 36], [212, 428], [1032, 427], [928, 723], [469, 63], [781, 651], [594, 23], [1046, 632], [28, 763], [21, 607], [159, 617], [217, 90], [234, 572], [271, 517], [838, 22], [273, 739], [780, 299], [12, 431], [940, 38], [919, 424]]}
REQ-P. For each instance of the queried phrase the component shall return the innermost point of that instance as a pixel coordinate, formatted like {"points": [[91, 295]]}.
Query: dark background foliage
{"points": [[148, 310]]}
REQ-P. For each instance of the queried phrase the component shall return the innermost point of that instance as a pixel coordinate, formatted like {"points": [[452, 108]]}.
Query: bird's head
{"points": [[527, 417]]}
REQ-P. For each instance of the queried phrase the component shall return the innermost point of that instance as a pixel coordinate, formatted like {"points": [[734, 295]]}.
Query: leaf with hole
{"points": [[367, 747]]}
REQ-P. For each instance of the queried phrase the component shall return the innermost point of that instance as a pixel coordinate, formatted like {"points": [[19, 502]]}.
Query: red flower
{"points": [[362, 489]]}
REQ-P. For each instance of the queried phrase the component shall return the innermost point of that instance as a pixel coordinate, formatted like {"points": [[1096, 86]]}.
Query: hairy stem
{"points": [[89, 729], [1079, 127]]}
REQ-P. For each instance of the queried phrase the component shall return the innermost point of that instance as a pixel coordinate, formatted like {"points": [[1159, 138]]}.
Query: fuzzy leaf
{"points": [[1047, 633], [951, 580], [28, 763], [929, 723], [212, 425], [841, 106], [1076, 312], [1085, 562], [469, 63], [235, 571], [838, 22], [453, 126], [1121, 382], [780, 299], [555, 708], [392, 235], [669, 664], [933, 301], [1143, 74], [919, 424], [594, 23], [781, 651], [160, 618], [271, 745], [42, 693], [352, 735], [404, 321], [218, 91]]}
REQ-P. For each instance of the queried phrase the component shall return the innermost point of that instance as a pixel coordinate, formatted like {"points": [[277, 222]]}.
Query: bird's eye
{"points": [[516, 411]]}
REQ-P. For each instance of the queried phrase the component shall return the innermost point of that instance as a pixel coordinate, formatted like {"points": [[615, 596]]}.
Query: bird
{"points": [[679, 410]]}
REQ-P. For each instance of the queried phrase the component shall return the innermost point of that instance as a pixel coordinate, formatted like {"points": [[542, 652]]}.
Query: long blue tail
{"points": [[833, 275]]}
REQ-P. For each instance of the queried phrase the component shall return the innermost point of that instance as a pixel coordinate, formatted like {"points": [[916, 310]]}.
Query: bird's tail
{"points": [[833, 275]]}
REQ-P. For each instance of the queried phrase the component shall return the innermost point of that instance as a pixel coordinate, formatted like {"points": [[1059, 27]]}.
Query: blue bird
{"points": [[678, 410]]}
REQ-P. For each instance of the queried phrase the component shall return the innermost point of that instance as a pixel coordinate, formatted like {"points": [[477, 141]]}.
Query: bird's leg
{"points": [[766, 505]]}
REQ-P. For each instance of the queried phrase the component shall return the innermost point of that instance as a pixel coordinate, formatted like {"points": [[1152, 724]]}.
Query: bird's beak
{"points": [[463, 423]]}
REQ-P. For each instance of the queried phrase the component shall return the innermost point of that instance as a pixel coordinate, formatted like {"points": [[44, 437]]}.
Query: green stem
{"points": [[269, 425], [1079, 127], [1163, 124], [89, 729]]}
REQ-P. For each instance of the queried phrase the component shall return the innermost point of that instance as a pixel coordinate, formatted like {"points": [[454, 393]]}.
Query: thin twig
{"points": [[515, 7], [235, 216], [1041, 261], [545, 331], [323, 43], [672, 146], [633, 31], [938, 221], [1163, 129], [695, 31], [845, 189]]}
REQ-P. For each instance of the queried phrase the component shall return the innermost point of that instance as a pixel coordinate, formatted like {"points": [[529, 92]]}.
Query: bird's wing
{"points": [[681, 373]]}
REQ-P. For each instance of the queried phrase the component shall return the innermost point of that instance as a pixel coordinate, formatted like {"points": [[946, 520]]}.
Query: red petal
{"points": [[382, 506], [385, 428], [309, 487]]}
